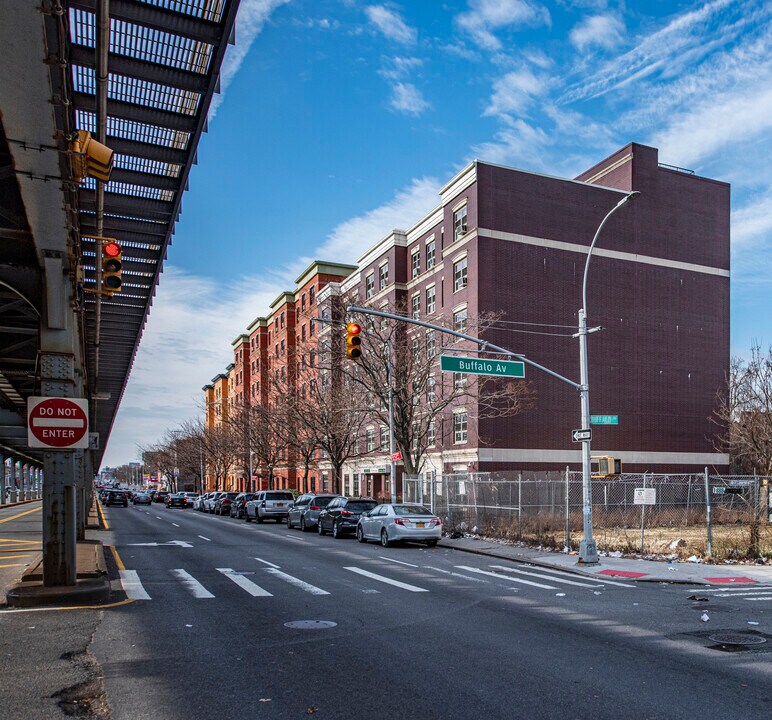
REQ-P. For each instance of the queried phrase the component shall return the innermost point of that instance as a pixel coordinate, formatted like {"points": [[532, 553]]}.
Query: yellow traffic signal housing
{"points": [[90, 158], [607, 466], [353, 341], [112, 266]]}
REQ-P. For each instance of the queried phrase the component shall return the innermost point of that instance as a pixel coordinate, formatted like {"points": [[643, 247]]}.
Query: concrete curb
{"points": [[19, 502]]}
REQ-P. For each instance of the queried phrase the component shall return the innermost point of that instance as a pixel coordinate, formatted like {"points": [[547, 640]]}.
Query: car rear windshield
{"points": [[322, 501], [411, 510], [231, 496], [279, 496], [360, 506]]}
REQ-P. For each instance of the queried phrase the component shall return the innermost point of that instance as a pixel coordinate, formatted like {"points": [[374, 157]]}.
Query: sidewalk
{"points": [[622, 568]]}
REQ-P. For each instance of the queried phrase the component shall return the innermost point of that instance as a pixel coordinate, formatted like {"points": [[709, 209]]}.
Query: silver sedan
{"points": [[395, 523]]}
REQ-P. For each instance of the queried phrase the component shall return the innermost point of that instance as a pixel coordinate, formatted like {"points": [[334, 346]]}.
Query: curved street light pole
{"points": [[588, 549]]}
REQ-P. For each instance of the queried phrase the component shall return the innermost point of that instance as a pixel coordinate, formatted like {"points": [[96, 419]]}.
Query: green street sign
{"points": [[604, 419], [476, 366]]}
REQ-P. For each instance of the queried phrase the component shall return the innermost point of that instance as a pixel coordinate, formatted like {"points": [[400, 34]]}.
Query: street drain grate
{"points": [[737, 639], [310, 624]]}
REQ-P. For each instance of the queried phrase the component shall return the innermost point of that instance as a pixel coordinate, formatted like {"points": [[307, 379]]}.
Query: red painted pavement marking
{"points": [[731, 580], [621, 573]]}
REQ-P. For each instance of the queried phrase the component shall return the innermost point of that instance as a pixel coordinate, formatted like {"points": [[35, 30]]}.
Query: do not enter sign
{"points": [[57, 423]]}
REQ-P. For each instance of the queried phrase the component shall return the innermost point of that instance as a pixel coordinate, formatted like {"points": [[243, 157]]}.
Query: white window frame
{"points": [[431, 308], [460, 221], [460, 433], [460, 273], [415, 263], [415, 306], [370, 439], [431, 260], [369, 285], [456, 311], [383, 276]]}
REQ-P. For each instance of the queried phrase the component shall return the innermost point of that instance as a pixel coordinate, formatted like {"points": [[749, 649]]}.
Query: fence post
{"points": [[707, 513], [520, 507], [568, 514], [643, 513]]}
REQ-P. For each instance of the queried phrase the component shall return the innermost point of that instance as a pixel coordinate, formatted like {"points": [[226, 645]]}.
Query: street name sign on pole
{"points": [[604, 419], [581, 435], [57, 423], [477, 366]]}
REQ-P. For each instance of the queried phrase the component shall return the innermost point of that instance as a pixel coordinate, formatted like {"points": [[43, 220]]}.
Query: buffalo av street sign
{"points": [[57, 423], [476, 366]]}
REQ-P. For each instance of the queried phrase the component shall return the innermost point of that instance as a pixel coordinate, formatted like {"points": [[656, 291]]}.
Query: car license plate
{"points": [[420, 524], [279, 504]]}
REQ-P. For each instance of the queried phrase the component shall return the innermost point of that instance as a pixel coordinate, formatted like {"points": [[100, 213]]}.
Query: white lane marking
{"points": [[388, 581], [205, 538], [244, 583], [265, 562], [748, 592], [397, 561], [731, 589], [132, 585], [175, 524], [760, 597], [504, 577], [158, 517], [197, 590], [455, 574], [546, 577], [290, 537], [297, 582], [602, 579]]}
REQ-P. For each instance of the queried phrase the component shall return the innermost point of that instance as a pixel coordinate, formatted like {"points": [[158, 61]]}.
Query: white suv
{"points": [[269, 504]]}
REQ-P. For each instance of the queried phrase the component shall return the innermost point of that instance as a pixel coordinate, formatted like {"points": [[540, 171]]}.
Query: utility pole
{"points": [[393, 466]]}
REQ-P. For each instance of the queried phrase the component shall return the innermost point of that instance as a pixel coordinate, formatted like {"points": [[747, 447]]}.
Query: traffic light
{"points": [[112, 264], [607, 466], [90, 158], [353, 341]]}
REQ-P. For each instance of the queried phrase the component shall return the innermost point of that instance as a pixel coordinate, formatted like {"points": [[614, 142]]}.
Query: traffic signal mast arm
{"points": [[484, 344]]}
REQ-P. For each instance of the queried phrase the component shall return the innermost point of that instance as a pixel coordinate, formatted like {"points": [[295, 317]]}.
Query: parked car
{"points": [[238, 506], [198, 502], [305, 510], [141, 499], [116, 497], [269, 505], [190, 499], [222, 505], [395, 523], [175, 500], [210, 501], [160, 496], [341, 516]]}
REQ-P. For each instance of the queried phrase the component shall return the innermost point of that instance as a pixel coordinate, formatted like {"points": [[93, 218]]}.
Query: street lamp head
{"points": [[627, 198]]}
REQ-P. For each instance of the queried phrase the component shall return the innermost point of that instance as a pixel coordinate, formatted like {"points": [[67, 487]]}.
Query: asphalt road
{"points": [[417, 633]]}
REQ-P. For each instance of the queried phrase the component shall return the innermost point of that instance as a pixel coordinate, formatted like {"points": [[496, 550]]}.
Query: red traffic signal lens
{"points": [[112, 249], [353, 328]]}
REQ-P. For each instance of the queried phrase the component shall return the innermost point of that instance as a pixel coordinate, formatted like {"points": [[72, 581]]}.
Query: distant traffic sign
{"points": [[57, 423], [581, 435], [477, 366], [396, 456], [604, 419]]}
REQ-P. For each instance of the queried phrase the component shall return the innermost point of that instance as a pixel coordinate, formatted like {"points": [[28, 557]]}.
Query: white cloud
{"points": [[521, 145], [391, 24], [399, 67], [486, 16], [252, 16], [752, 224], [514, 93], [606, 31], [407, 99]]}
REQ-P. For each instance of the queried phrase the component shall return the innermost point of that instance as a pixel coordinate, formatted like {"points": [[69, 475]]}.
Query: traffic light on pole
{"points": [[353, 341], [90, 158], [112, 265]]}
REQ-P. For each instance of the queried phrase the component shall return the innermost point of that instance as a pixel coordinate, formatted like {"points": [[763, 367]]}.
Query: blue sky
{"points": [[340, 119]]}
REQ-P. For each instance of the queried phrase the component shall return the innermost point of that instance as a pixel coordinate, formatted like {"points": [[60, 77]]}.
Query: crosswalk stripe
{"points": [[197, 590], [747, 592], [546, 577], [132, 585], [733, 590], [388, 581], [297, 582], [760, 597], [399, 562], [504, 577], [245, 584], [265, 562], [455, 574]]}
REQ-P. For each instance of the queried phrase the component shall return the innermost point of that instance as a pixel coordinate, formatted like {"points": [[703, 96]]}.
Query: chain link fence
{"points": [[718, 516]]}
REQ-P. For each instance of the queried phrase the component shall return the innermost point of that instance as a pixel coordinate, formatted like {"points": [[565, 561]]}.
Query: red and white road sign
{"points": [[57, 423], [396, 456]]}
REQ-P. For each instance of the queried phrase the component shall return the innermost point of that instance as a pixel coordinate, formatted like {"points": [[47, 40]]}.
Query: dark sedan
{"points": [[117, 497], [176, 500], [141, 499], [239, 505], [341, 516], [222, 505]]}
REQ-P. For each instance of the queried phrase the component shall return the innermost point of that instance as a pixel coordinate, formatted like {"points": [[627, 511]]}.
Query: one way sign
{"points": [[581, 435]]}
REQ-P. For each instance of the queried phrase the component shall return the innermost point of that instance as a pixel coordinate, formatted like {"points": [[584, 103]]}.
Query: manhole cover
{"points": [[736, 639], [310, 624]]}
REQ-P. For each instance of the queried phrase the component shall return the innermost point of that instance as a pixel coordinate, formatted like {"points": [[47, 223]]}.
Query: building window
{"points": [[303, 302], [384, 439], [303, 331], [415, 263], [459, 320], [311, 358], [459, 274], [276, 324], [355, 485], [283, 347], [416, 345], [383, 276], [311, 296], [282, 319], [370, 438], [416, 306], [370, 285], [311, 328], [459, 380], [459, 223], [431, 344], [431, 434], [276, 350], [430, 254], [459, 427], [431, 389], [431, 300]]}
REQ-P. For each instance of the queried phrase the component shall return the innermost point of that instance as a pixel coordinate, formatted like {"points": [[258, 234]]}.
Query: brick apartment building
{"points": [[514, 243]]}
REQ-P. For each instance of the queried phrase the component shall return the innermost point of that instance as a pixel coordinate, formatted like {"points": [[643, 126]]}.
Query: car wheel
{"points": [[258, 519], [247, 518], [303, 524], [336, 531], [385, 538], [289, 523], [360, 535], [431, 543], [319, 528]]}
